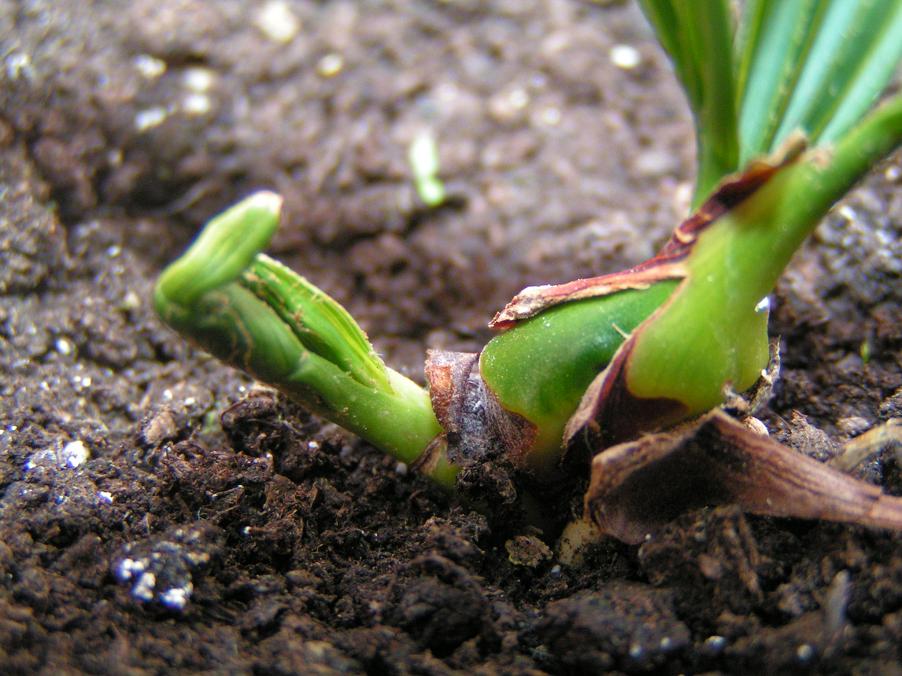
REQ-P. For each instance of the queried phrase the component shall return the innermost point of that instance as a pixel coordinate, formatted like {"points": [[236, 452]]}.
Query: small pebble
{"points": [[625, 56], [198, 80], [149, 66], [330, 65], [277, 22], [160, 428], [150, 118], [715, 644], [75, 453], [196, 105], [853, 425], [805, 652]]}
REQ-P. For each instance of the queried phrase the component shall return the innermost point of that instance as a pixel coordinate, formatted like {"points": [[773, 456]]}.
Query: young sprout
{"points": [[257, 315], [424, 165], [616, 379]]}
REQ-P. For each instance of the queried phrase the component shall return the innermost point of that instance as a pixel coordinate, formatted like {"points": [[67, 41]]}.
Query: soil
{"points": [[160, 513]]}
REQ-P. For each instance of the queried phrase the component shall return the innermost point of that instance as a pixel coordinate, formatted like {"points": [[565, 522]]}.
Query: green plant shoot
{"points": [[255, 314], [781, 109]]}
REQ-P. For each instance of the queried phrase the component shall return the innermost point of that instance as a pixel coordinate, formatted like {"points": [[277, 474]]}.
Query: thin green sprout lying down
{"points": [[781, 109]]}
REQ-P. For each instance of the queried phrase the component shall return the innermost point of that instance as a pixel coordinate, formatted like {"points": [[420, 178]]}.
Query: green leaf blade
{"points": [[772, 55], [698, 38], [875, 68], [812, 66]]}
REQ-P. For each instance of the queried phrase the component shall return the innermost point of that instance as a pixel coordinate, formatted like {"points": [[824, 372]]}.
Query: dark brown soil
{"points": [[160, 514]]}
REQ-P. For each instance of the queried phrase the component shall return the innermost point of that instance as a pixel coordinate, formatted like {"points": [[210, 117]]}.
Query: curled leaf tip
{"points": [[265, 199]]}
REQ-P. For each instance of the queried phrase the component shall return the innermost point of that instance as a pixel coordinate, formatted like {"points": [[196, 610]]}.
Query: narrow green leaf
{"points": [[827, 54], [698, 38], [881, 39], [812, 66], [771, 58]]}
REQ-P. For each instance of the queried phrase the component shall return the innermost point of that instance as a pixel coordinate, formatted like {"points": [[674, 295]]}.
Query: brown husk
{"points": [[638, 486]]}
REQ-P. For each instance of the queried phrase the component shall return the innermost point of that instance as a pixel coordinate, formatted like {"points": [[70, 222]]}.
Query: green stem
{"points": [[710, 334]]}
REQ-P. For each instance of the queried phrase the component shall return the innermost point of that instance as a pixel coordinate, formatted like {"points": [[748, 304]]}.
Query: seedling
{"points": [[424, 165], [617, 379]]}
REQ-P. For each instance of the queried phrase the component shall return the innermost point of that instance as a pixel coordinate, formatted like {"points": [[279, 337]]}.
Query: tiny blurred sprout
{"points": [[424, 165], [864, 351]]}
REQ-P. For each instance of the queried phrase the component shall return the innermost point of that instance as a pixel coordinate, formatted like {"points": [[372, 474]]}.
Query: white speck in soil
{"points": [[149, 66], [277, 22], [177, 597], [626, 57], [150, 117], [198, 80], [128, 568], [805, 653], [506, 105], [143, 589], [715, 644], [549, 116], [132, 301], [847, 213], [75, 453], [19, 65], [72, 455], [196, 105], [330, 65]]}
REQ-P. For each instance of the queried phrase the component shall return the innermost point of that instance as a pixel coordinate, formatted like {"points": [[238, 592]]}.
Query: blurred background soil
{"points": [[160, 513]]}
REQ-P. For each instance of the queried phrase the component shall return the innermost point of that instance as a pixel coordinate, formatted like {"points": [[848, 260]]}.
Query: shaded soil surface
{"points": [[159, 513]]}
